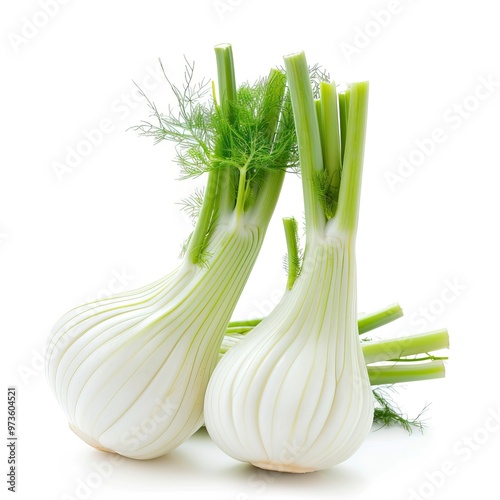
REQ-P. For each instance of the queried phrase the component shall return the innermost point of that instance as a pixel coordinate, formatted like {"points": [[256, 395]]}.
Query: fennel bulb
{"points": [[294, 395], [130, 371]]}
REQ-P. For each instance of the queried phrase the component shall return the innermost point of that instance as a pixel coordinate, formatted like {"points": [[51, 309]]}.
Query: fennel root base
{"points": [[280, 467], [90, 441]]}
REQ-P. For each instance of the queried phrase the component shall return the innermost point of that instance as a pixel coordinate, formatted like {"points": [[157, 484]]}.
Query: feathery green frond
{"points": [[387, 413], [192, 204]]}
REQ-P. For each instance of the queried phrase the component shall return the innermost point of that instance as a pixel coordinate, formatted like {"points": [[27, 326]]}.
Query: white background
{"points": [[64, 238]]}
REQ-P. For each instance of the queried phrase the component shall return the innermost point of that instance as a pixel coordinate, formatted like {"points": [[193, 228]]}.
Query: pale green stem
{"points": [[275, 92], [240, 197], [346, 218], [386, 350], [268, 196], [225, 75], [308, 141], [330, 134], [218, 182], [367, 322], [343, 115], [227, 94], [398, 374], [198, 239], [270, 185], [317, 105], [290, 225]]}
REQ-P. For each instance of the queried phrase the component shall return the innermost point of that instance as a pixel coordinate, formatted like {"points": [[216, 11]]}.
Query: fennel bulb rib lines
{"points": [[126, 367], [286, 391]]}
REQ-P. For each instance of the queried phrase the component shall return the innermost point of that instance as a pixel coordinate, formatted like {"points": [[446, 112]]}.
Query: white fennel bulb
{"points": [[294, 394], [131, 371]]}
